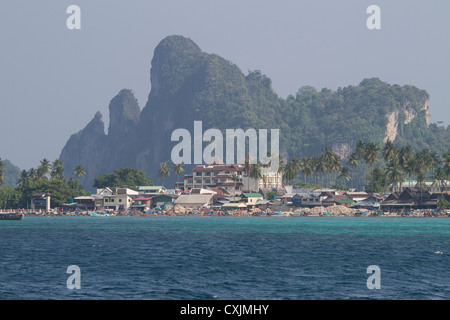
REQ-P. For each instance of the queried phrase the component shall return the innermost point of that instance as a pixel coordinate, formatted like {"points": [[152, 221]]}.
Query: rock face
{"points": [[189, 85], [99, 153], [409, 114]]}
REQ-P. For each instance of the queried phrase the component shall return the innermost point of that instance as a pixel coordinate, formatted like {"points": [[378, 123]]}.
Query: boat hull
{"points": [[11, 216], [95, 214]]}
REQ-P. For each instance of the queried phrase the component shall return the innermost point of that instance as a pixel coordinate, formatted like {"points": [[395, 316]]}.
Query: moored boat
{"points": [[98, 214], [11, 216]]}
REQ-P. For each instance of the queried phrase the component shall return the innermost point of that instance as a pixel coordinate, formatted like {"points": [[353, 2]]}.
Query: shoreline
{"points": [[282, 211], [284, 215]]}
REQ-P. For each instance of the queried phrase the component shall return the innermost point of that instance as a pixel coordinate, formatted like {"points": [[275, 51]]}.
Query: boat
{"points": [[280, 214], [98, 214], [11, 216], [148, 213]]}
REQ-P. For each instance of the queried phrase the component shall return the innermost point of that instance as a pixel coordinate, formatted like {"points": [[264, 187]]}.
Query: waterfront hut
{"points": [[250, 199], [194, 201]]}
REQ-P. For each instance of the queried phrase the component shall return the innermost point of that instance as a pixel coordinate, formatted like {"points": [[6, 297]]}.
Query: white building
{"points": [[221, 176]]}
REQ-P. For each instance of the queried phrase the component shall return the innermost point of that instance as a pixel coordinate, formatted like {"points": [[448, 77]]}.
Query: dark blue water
{"points": [[225, 257]]}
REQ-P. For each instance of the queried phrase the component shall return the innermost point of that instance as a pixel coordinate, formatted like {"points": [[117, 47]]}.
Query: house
{"points": [[338, 200], [141, 204], [412, 198], [159, 201], [358, 196], [104, 191], [220, 175], [370, 203], [85, 202], [121, 200], [277, 191], [262, 204], [202, 191], [250, 199], [314, 199], [194, 201], [234, 206], [40, 201], [152, 190]]}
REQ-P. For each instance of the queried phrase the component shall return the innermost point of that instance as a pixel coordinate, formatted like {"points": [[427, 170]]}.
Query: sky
{"points": [[53, 80]]}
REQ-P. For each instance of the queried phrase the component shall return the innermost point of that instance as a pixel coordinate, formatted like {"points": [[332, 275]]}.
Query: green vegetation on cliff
{"points": [[188, 85]]}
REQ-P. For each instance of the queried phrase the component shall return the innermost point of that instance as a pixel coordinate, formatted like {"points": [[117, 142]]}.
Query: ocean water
{"points": [[225, 258]]}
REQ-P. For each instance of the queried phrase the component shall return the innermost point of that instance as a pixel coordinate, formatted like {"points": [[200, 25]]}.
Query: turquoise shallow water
{"points": [[298, 258]]}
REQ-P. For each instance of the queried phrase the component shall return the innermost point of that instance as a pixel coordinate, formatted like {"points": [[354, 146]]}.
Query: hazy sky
{"points": [[53, 80]]}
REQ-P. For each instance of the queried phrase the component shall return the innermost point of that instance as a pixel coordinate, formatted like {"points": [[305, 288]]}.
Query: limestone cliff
{"points": [[188, 84], [405, 115], [101, 153]]}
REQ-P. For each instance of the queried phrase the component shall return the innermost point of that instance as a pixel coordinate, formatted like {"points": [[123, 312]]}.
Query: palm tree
{"points": [[281, 168], [409, 169], [2, 172], [163, 171], [22, 181], [439, 178], [247, 168], [32, 176], [322, 167], [327, 159], [428, 159], [395, 173], [57, 169], [420, 164], [178, 169], [360, 151], [353, 161], [421, 180], [43, 169], [406, 155], [335, 165], [371, 153], [315, 167], [390, 151], [255, 172], [79, 171], [306, 167], [234, 177], [344, 174], [292, 168], [446, 163]]}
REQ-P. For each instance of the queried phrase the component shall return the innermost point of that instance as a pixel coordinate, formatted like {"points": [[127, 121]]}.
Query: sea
{"points": [[225, 258]]}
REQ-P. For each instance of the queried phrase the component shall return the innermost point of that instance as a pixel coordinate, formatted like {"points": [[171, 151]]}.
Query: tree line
{"points": [[372, 167], [47, 177]]}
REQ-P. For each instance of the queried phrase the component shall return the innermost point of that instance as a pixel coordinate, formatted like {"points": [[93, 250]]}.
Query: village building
{"points": [[141, 204], [372, 202], [152, 190], [86, 203], [251, 199], [412, 198], [337, 200], [313, 199], [220, 175], [40, 201], [194, 201], [159, 202]]}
